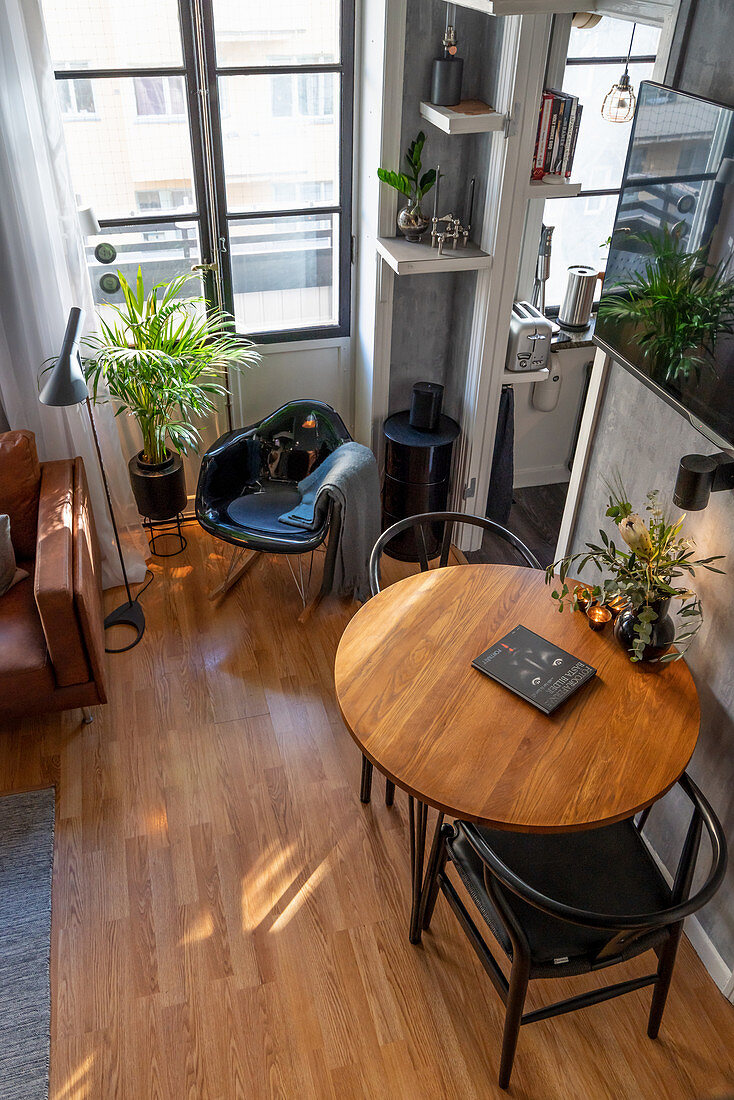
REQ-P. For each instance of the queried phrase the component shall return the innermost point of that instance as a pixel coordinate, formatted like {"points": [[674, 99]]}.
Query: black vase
{"points": [[663, 630], [159, 488]]}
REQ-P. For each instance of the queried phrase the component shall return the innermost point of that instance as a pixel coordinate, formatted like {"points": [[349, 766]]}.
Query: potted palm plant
{"points": [[164, 359]]}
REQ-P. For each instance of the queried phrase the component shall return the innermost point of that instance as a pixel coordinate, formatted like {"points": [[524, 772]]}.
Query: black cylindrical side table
{"points": [[417, 468]]}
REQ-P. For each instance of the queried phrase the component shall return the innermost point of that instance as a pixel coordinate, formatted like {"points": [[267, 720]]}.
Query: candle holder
{"points": [[584, 598], [617, 604], [598, 617]]}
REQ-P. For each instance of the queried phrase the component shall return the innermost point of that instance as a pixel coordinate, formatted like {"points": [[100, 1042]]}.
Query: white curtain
{"points": [[43, 273]]}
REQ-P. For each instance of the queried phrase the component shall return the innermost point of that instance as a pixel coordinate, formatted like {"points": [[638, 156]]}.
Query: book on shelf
{"points": [[555, 142]]}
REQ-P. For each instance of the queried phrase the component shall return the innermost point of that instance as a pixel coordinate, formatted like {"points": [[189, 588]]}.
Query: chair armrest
{"points": [[54, 574], [88, 579]]}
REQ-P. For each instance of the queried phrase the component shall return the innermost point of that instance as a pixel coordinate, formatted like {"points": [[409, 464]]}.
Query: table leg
{"points": [[418, 816], [429, 892]]}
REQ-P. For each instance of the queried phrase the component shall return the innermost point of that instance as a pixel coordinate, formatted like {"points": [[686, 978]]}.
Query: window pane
{"points": [[285, 272], [278, 32], [274, 160], [602, 145], [611, 38], [97, 34], [122, 152], [582, 226], [163, 252]]}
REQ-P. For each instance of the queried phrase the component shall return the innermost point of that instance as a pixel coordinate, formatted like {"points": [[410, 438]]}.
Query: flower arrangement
{"points": [[645, 571]]}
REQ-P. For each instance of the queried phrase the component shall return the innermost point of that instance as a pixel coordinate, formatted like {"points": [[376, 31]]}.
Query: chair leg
{"points": [[240, 562], [365, 788], [87, 716], [519, 976], [436, 864], [389, 792], [662, 985]]}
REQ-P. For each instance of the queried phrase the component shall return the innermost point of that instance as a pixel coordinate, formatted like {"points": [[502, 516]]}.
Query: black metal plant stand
{"points": [[162, 529]]}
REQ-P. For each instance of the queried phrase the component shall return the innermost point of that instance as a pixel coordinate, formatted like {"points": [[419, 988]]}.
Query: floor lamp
{"points": [[66, 386]]}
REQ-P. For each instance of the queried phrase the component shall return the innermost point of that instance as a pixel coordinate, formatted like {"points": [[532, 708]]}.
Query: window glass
{"points": [[611, 38], [582, 226], [114, 159], [98, 34], [278, 143], [256, 34], [285, 272], [163, 251]]}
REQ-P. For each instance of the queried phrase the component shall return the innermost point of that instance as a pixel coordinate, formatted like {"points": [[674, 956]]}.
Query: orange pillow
{"points": [[20, 485]]}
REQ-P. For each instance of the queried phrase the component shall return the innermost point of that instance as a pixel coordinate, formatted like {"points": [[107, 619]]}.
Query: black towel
{"points": [[499, 499]]}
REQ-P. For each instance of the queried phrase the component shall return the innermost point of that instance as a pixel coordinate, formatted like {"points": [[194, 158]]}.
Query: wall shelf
{"points": [[406, 258], [539, 189], [523, 7], [512, 377], [471, 116]]}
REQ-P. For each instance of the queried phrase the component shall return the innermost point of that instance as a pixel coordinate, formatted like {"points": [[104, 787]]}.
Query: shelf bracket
{"points": [[509, 126], [470, 489]]}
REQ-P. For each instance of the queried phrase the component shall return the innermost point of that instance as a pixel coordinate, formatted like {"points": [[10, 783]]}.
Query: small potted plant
{"points": [[164, 359], [412, 223], [645, 573]]}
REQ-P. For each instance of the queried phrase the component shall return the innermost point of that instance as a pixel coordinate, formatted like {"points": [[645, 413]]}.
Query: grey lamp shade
{"points": [[66, 384]]}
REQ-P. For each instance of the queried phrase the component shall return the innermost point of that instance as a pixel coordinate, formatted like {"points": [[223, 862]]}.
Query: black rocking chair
{"points": [[572, 903], [432, 533], [249, 478]]}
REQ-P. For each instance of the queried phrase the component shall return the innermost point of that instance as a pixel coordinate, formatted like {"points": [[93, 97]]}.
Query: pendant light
{"points": [[619, 102]]}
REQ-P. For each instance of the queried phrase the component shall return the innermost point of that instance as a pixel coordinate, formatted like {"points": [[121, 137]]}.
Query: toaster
{"points": [[530, 338]]}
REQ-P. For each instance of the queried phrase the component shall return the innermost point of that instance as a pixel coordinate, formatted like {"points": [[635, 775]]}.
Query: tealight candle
{"points": [[598, 617], [617, 604], [584, 598]]}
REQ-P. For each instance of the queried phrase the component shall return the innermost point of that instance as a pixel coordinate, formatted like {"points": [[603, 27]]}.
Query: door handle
{"points": [[204, 268]]}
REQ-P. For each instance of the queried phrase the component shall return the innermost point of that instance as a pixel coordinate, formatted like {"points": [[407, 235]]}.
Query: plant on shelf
{"points": [[411, 220], [679, 303], [164, 359], [645, 573]]}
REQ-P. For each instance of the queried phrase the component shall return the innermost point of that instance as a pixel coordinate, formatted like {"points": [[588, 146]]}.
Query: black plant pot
{"points": [[663, 630], [159, 488]]}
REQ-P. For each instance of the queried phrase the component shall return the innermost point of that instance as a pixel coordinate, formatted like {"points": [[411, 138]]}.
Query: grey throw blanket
{"points": [[349, 476]]}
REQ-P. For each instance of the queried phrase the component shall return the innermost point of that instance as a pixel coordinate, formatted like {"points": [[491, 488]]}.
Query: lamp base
{"points": [[127, 614]]}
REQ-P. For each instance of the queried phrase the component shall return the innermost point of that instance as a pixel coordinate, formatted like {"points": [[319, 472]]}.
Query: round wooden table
{"points": [[458, 741]]}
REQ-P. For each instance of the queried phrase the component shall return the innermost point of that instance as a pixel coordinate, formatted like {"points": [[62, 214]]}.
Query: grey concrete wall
{"points": [[432, 313], [644, 438]]}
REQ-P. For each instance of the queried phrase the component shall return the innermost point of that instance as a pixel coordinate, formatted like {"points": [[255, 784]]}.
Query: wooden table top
{"points": [[455, 739]]}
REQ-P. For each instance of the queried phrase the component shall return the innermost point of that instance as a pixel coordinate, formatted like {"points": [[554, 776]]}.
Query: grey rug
{"points": [[26, 858]]}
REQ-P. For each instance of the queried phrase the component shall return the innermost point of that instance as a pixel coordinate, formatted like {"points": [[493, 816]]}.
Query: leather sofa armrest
{"points": [[54, 574], [88, 579]]}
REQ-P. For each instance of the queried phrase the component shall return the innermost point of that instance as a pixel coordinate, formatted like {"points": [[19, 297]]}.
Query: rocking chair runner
{"points": [[249, 478]]}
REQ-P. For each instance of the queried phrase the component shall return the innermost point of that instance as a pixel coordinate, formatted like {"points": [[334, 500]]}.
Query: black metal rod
{"points": [[481, 950], [584, 1000], [109, 501]]}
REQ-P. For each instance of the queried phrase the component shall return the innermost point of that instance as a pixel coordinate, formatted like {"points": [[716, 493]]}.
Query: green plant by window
{"points": [[648, 570], [679, 303], [164, 359], [413, 185]]}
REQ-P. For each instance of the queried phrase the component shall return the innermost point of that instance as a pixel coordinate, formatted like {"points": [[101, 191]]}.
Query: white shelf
{"points": [[471, 116], [407, 258], [539, 189], [512, 377], [523, 7]]}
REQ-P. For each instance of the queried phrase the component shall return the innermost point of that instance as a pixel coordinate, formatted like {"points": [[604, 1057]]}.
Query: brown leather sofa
{"points": [[52, 653]]}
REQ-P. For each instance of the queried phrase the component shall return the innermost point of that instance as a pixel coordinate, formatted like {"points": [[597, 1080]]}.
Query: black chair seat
{"points": [[259, 513], [608, 870]]}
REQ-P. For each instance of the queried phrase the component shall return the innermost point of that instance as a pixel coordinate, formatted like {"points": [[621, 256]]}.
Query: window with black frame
{"points": [[216, 132], [596, 59]]}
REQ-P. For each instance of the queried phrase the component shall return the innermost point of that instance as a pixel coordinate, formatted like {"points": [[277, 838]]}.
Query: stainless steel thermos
{"points": [[575, 312]]}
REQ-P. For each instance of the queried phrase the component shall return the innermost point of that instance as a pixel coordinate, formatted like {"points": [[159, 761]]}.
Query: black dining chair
{"points": [[249, 478], [425, 538], [571, 903]]}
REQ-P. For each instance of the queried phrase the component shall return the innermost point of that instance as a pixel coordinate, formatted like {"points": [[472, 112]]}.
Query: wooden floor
{"points": [[229, 920]]}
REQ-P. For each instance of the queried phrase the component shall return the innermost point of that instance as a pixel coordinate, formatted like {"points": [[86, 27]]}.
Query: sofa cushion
{"points": [[10, 574], [20, 484], [25, 668]]}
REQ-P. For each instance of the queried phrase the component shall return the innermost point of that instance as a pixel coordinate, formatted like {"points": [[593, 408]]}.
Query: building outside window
{"points": [[595, 61], [256, 176]]}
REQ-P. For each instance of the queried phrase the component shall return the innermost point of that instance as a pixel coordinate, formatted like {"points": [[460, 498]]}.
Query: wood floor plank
{"points": [[229, 922]]}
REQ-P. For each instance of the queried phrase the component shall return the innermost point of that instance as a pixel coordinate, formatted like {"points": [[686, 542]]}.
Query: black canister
{"points": [[425, 406], [447, 72]]}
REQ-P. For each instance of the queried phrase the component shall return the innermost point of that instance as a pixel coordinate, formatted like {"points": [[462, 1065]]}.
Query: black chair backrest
{"points": [[624, 928], [436, 529]]}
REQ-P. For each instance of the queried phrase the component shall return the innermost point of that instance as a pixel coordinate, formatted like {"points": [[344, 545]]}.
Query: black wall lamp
{"points": [[699, 476]]}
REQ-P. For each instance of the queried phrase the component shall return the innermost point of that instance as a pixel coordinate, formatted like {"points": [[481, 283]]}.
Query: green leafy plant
{"points": [[164, 359], [655, 556], [680, 304], [413, 185]]}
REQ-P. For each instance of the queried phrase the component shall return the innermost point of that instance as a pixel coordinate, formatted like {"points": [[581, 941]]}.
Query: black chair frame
{"points": [[630, 934], [421, 521]]}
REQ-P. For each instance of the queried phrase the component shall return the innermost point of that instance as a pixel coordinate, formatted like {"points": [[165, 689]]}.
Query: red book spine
{"points": [[541, 144]]}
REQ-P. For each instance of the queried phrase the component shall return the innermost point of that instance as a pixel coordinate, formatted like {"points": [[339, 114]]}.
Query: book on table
{"points": [[535, 669]]}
